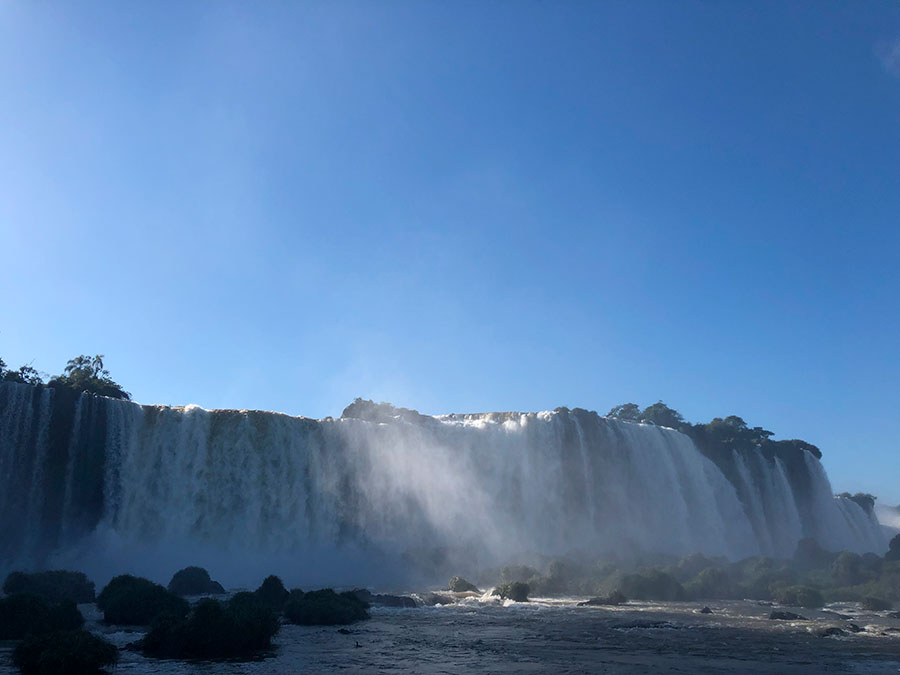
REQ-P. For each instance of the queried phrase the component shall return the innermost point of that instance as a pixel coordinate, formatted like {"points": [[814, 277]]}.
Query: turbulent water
{"points": [[114, 485]]}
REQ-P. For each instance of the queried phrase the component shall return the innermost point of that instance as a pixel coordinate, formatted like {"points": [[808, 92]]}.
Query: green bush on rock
{"points": [[131, 600], [194, 581], [712, 583], [76, 652], [514, 590], [799, 596], [325, 608], [23, 614], [876, 604], [213, 629], [652, 584], [52, 586], [272, 592]]}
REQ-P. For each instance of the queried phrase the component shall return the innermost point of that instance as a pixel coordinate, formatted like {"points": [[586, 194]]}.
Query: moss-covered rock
{"points": [[131, 600], [514, 590], [53, 586], [213, 629], [76, 652], [194, 581], [23, 614], [325, 608], [460, 585]]}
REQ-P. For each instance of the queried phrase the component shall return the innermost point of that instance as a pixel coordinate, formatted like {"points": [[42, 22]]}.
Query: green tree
{"points": [[662, 415], [630, 412], [86, 373], [24, 375]]}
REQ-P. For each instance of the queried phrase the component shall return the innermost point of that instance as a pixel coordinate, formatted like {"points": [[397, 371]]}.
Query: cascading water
{"points": [[115, 485]]}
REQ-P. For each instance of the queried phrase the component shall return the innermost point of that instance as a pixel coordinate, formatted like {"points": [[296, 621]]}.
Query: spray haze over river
{"points": [[383, 496]]}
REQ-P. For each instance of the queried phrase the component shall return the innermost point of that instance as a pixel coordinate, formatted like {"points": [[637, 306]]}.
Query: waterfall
{"points": [[86, 478]]}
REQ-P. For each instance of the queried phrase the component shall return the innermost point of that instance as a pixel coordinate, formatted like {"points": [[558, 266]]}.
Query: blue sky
{"points": [[465, 206]]}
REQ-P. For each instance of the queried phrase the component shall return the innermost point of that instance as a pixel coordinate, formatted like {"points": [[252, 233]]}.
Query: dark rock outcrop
{"points": [[460, 585], [614, 598], [786, 616]]}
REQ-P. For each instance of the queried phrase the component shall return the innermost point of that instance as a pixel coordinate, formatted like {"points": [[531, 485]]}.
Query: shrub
{"points": [[893, 549], [194, 581], [214, 629], [711, 583], [273, 593], [652, 585], [76, 652], [876, 604], [799, 596], [135, 601], [325, 608], [24, 614], [514, 590], [53, 586], [846, 570]]}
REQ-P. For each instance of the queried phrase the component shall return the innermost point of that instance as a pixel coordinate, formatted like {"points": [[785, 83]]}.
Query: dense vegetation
{"points": [[134, 601], [76, 652], [194, 581], [213, 629], [731, 432], [23, 614], [52, 586], [812, 577], [83, 373]]}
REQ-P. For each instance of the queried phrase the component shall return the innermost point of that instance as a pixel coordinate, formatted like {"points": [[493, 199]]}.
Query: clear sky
{"points": [[465, 206]]}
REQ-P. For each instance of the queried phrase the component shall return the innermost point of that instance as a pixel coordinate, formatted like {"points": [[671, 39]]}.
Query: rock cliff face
{"points": [[393, 482]]}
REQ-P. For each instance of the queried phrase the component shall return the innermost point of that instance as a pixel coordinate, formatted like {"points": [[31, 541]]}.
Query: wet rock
{"points": [[383, 600], [706, 610], [837, 614], [614, 598], [460, 585], [432, 599], [786, 616], [853, 628], [344, 631], [832, 631]]}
